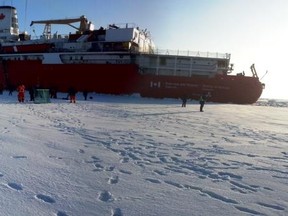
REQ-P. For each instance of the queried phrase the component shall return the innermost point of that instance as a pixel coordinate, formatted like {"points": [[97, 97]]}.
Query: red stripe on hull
{"points": [[29, 48]]}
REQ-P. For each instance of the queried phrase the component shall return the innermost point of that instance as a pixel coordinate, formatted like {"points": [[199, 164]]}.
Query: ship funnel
{"points": [[9, 29]]}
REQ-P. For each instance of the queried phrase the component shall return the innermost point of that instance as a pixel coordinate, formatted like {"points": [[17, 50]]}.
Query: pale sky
{"points": [[252, 31]]}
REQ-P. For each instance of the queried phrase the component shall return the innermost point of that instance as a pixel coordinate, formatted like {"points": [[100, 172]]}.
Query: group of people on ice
{"points": [[72, 96], [202, 100], [53, 94]]}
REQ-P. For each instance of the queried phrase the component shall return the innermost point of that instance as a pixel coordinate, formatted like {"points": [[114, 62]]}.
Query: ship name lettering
{"points": [[215, 87], [174, 85]]}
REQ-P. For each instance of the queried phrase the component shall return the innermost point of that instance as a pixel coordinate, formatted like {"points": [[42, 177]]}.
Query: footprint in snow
{"points": [[124, 160], [113, 180], [109, 168], [81, 151], [55, 157], [61, 213], [155, 181], [95, 159], [159, 172], [116, 212], [98, 167], [5, 130], [105, 196], [125, 172], [19, 157], [15, 186], [45, 198], [274, 207]]}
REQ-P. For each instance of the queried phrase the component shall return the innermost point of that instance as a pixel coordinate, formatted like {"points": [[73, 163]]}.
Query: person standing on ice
{"points": [[184, 101], [10, 89], [72, 95], [85, 94], [21, 93], [32, 93], [202, 101]]}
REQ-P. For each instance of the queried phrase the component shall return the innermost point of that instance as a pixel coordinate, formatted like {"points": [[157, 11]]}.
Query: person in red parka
{"points": [[21, 93]]}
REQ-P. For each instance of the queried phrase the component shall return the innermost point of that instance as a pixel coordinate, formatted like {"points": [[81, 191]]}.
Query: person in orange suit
{"points": [[21, 93]]}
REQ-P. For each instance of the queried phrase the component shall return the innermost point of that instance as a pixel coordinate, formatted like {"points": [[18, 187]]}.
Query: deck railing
{"points": [[191, 53]]}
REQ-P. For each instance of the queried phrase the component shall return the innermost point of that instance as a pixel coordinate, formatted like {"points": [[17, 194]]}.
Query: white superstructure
{"points": [[9, 29]]}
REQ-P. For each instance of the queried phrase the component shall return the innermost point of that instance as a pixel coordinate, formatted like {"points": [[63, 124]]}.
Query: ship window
{"points": [[221, 64], [148, 71], [14, 25], [162, 61], [13, 19]]}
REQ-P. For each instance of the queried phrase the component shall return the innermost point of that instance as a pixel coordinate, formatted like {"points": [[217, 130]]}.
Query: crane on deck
{"points": [[84, 24]]}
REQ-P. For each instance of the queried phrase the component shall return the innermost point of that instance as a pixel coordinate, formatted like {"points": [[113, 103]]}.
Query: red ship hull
{"points": [[222, 88], [125, 79]]}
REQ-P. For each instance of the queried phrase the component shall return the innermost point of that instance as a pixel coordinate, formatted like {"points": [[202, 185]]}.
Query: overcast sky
{"points": [[253, 31]]}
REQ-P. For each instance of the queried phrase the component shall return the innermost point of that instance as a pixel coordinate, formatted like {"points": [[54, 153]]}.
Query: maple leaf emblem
{"points": [[2, 16]]}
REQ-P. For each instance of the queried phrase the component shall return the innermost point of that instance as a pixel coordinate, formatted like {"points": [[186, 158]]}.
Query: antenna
{"points": [[25, 17], [264, 75]]}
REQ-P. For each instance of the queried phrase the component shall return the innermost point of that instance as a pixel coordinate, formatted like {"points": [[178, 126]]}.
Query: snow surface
{"points": [[126, 155]]}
